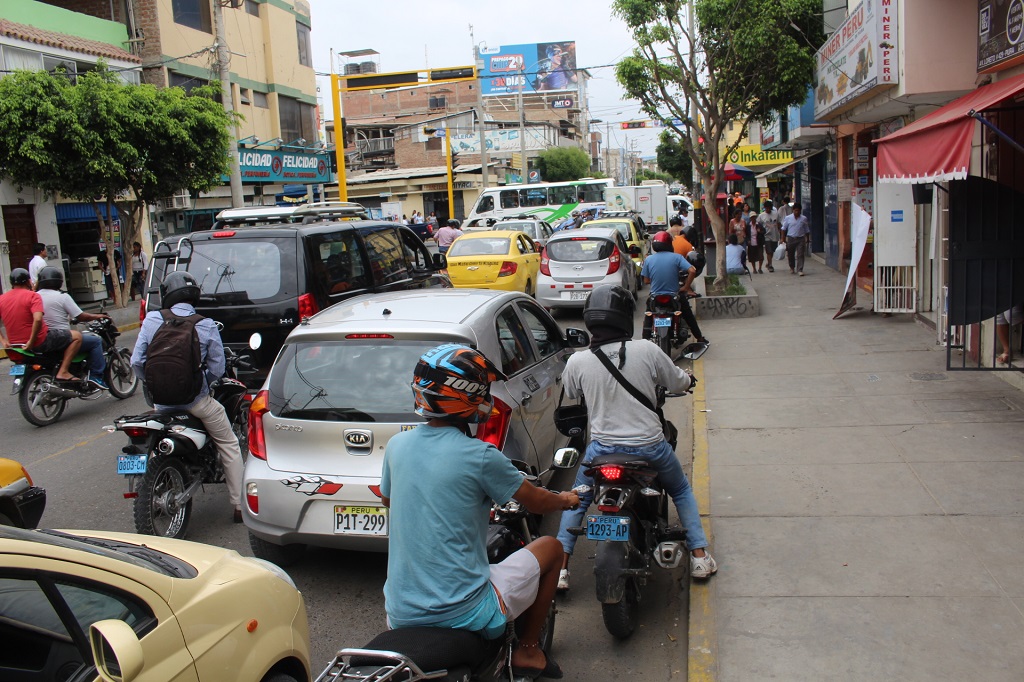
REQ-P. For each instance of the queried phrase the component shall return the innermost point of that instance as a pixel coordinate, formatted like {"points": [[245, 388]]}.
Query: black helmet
{"points": [[20, 276], [179, 287], [50, 278], [697, 260], [662, 241], [454, 223], [609, 306]]}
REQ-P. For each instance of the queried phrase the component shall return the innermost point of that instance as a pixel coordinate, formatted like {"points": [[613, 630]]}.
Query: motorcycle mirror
{"points": [[255, 341], [566, 458], [694, 350], [577, 338]]}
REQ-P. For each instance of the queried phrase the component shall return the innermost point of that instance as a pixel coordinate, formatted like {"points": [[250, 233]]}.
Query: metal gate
{"points": [[986, 267]]}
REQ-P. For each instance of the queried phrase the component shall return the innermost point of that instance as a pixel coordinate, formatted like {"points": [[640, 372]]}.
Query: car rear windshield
{"points": [[346, 380], [528, 228], [244, 270], [480, 246], [622, 227], [578, 250]]}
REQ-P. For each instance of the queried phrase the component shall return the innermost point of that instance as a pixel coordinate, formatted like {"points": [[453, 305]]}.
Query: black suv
{"points": [[266, 279]]}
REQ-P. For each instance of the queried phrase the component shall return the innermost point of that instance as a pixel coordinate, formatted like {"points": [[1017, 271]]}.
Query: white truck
{"points": [[650, 201]]}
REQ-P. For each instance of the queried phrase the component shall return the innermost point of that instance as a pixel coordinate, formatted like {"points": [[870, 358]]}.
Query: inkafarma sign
{"points": [[752, 155], [294, 168]]}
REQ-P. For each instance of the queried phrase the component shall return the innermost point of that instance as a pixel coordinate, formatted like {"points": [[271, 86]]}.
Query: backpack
{"points": [[174, 361]]}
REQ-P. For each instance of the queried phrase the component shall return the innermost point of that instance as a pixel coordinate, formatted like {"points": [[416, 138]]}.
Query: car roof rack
{"points": [[299, 213], [521, 216]]}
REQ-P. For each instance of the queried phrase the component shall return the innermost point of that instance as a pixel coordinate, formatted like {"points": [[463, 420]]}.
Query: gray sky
{"points": [[413, 35]]}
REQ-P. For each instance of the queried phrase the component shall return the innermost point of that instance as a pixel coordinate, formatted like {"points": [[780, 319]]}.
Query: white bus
{"points": [[551, 202]]}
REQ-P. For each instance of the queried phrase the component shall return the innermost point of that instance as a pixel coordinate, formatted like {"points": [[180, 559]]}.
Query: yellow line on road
{"points": [[101, 434], [702, 660]]}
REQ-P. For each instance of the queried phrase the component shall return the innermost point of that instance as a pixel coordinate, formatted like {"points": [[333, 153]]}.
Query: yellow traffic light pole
{"points": [[339, 137], [451, 171]]}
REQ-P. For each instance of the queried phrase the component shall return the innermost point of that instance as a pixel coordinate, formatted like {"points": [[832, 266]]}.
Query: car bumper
{"points": [[293, 509], [561, 297], [502, 284]]}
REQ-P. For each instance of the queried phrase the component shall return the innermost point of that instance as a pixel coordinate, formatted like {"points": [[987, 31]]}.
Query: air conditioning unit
{"points": [[178, 201]]}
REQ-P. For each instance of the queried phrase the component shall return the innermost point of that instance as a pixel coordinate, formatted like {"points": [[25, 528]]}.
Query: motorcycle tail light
{"points": [[495, 429], [545, 262], [662, 299], [257, 441], [614, 260], [612, 508], [507, 268], [307, 306], [135, 431], [610, 472], [252, 497]]}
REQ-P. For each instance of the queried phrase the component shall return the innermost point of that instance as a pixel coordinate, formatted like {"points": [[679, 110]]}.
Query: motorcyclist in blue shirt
{"points": [[661, 270]]}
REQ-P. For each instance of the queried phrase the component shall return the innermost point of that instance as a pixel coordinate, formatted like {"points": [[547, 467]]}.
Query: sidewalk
{"points": [[866, 506]]}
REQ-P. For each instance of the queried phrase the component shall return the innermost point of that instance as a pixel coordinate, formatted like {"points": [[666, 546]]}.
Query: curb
{"points": [[702, 657]]}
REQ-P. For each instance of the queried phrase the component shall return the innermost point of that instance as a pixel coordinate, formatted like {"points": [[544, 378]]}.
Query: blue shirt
{"points": [[796, 227], [734, 259], [441, 484], [210, 345], [663, 268]]}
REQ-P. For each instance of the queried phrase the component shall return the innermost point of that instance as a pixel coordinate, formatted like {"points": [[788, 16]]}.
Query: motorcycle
{"points": [[42, 398], [170, 456], [425, 653], [667, 328], [632, 533]]}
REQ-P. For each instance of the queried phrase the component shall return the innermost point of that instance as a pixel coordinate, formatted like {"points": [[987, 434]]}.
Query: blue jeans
{"points": [[92, 345], [670, 474]]}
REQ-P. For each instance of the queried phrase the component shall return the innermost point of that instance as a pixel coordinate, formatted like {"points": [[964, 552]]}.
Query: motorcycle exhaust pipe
{"points": [[669, 554], [56, 391], [165, 446]]}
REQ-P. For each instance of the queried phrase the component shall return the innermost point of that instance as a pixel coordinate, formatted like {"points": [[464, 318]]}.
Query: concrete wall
{"points": [[938, 45]]}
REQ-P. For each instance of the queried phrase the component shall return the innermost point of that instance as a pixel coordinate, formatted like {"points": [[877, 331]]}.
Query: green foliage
{"points": [[642, 175], [673, 159], [558, 164]]}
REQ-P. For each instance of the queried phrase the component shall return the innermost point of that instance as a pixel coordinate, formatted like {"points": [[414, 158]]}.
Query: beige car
{"points": [[91, 605]]}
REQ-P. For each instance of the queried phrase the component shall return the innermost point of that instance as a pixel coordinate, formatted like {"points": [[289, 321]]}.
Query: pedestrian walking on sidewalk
{"points": [[768, 220], [796, 231]]}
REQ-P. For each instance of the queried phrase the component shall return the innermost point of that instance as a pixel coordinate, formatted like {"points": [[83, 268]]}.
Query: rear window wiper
{"points": [[330, 414]]}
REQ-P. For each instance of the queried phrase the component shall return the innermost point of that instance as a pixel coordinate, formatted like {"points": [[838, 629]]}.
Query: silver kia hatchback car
{"points": [[340, 388], [575, 262]]}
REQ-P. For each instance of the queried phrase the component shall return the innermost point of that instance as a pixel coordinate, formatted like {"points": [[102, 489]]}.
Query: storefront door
{"points": [[20, 226]]}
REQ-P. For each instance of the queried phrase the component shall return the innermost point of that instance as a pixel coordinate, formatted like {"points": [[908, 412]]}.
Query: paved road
{"points": [[75, 461]]}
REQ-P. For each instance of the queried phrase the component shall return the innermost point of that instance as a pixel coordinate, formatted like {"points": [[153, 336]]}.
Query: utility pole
{"points": [[481, 125], [522, 127], [223, 66]]}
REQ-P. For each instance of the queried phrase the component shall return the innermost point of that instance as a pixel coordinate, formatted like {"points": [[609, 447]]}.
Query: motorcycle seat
{"points": [[620, 459], [432, 648]]}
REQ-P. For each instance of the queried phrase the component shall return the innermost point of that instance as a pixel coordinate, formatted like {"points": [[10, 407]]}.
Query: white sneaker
{"points": [[563, 580], [703, 566]]}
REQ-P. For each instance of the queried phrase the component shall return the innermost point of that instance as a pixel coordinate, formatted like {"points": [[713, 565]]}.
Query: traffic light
{"points": [[458, 73], [455, 158]]}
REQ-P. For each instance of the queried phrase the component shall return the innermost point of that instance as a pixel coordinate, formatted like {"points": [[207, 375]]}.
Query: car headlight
{"points": [[276, 570]]}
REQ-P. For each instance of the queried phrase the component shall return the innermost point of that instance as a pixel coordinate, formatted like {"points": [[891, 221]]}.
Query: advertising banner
{"points": [[1000, 33], [859, 57], [752, 155], [536, 67], [277, 166]]}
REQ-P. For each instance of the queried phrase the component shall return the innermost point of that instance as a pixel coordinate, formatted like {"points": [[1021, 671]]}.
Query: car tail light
{"points": [[24, 472], [368, 336], [663, 299], [307, 306], [375, 489], [142, 309], [257, 441], [136, 431], [252, 497], [610, 472], [544, 261], [614, 260], [495, 429], [224, 233], [507, 268]]}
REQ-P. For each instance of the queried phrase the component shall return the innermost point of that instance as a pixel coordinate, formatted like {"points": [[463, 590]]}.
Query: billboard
{"points": [[300, 168], [535, 67], [1000, 33]]}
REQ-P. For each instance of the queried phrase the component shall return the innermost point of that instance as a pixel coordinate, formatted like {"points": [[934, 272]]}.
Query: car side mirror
{"points": [[566, 458], [116, 650], [693, 351], [440, 262], [577, 338]]}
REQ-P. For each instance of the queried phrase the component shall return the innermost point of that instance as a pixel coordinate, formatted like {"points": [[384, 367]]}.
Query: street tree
{"points": [[100, 140], [673, 158], [559, 164], [735, 63]]}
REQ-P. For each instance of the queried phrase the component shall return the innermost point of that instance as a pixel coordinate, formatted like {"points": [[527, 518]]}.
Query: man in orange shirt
{"points": [[21, 311], [680, 244]]}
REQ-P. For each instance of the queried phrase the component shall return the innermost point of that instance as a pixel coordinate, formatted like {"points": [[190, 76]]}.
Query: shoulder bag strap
{"points": [[641, 398]]}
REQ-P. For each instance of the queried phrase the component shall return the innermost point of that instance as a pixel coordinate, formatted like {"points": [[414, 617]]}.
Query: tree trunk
{"points": [[107, 231], [717, 225]]}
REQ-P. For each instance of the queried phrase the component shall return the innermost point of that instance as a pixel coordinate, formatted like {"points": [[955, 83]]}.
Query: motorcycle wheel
{"points": [[119, 375], [36, 406], [665, 344], [153, 513], [620, 618]]}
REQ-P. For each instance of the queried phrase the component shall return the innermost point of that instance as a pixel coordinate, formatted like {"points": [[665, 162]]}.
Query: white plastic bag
{"points": [[780, 252]]}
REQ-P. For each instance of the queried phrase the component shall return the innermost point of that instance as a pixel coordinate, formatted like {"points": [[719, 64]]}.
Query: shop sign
{"points": [[443, 186], [859, 57], [754, 155], [1000, 34], [264, 165]]}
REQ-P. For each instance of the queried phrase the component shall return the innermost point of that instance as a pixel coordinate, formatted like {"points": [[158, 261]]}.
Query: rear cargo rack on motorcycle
{"points": [[390, 666]]}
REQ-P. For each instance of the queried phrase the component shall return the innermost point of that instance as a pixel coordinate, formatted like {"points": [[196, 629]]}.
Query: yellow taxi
{"points": [[497, 259], [632, 229]]}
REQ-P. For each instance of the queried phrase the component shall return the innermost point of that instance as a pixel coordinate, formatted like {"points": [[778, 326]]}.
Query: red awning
{"points": [[937, 148]]}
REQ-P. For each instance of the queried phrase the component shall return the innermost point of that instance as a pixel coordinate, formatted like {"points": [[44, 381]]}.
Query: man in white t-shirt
{"points": [[60, 310], [37, 263]]}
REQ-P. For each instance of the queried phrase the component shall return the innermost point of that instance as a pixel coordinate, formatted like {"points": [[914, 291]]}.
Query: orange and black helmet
{"points": [[453, 382]]}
